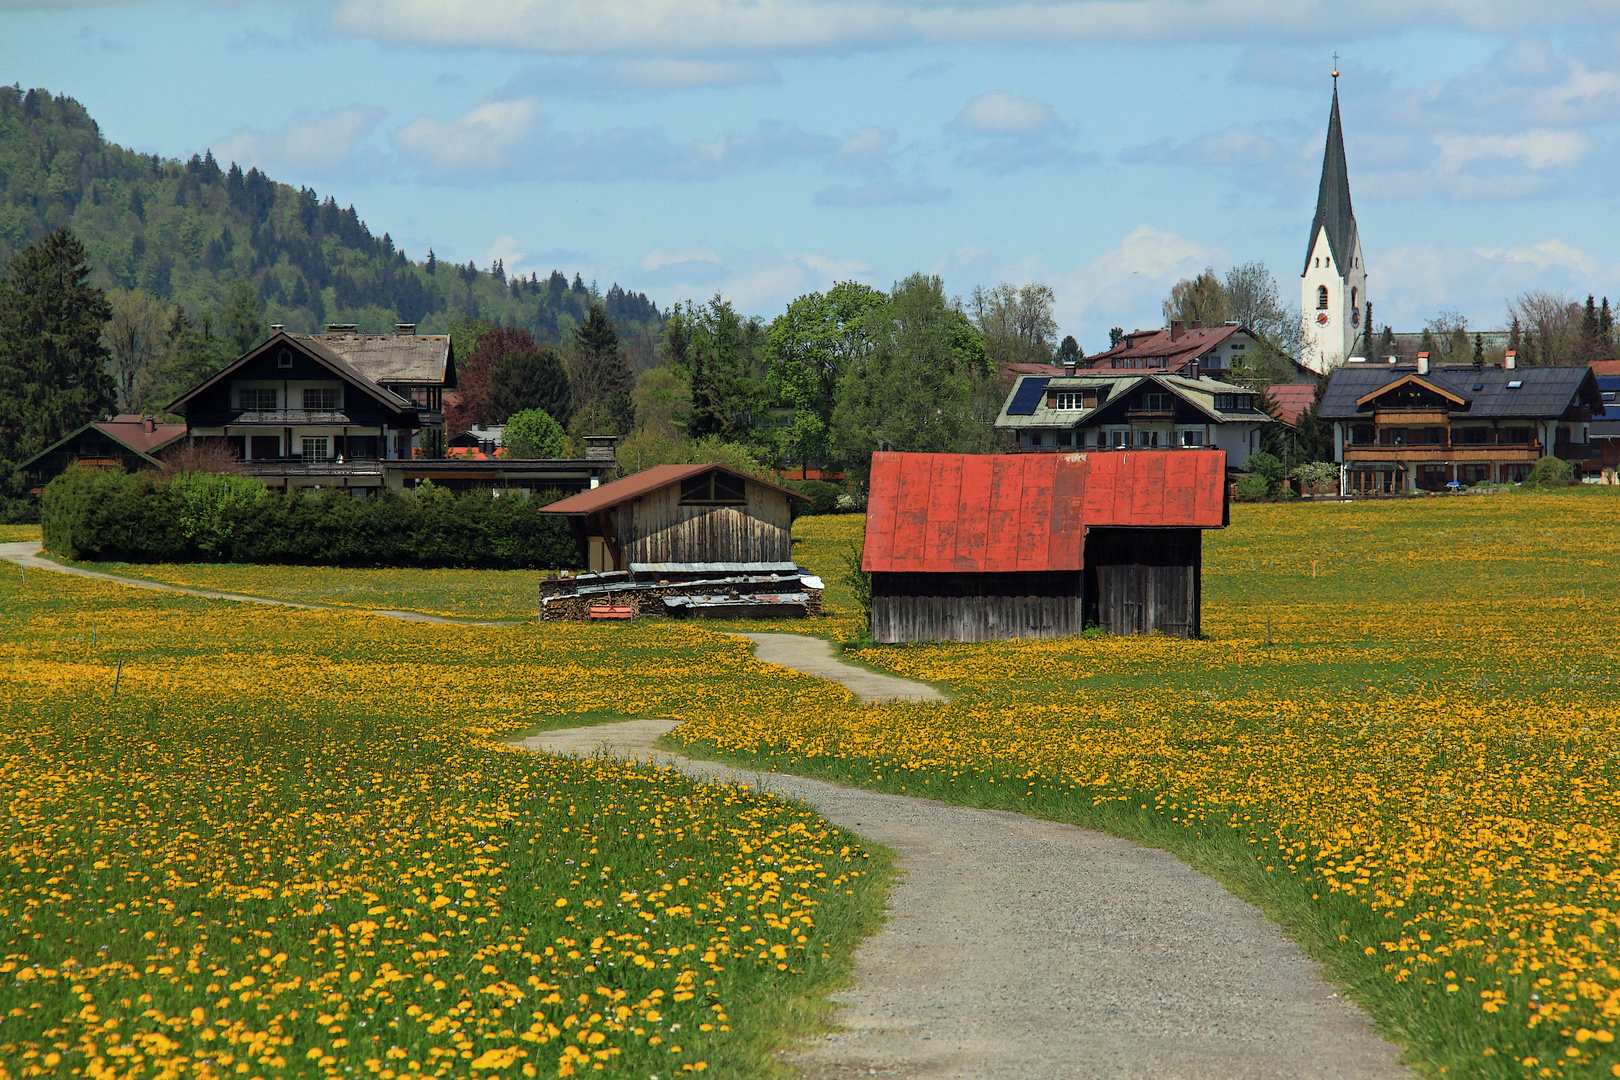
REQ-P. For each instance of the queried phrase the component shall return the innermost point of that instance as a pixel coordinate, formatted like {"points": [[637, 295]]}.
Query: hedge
{"points": [[155, 517]]}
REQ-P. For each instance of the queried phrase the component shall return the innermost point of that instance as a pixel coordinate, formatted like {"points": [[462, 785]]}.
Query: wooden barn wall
{"points": [[1144, 580], [657, 528], [975, 607], [974, 618]]}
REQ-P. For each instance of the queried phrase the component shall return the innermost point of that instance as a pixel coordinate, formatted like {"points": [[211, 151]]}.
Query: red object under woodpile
{"points": [[1005, 513]]}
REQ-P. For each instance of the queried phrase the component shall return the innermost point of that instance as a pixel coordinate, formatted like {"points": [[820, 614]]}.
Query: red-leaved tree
{"points": [[471, 408]]}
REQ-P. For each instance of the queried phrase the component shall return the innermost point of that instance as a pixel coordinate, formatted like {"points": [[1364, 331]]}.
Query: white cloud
{"points": [[312, 145], [658, 258], [711, 28], [1536, 149], [1410, 284], [481, 140], [997, 113], [1545, 255], [866, 151], [510, 140], [505, 248], [1124, 285]]}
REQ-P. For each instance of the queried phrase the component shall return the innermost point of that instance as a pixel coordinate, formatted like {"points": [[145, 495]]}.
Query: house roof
{"points": [[418, 359], [1025, 405], [1333, 212], [636, 484], [311, 347], [126, 429], [1175, 351], [1541, 393], [1292, 399], [1005, 513]]}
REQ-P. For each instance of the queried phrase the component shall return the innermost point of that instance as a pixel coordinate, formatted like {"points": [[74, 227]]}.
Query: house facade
{"points": [[1137, 411], [128, 441], [1417, 427]]}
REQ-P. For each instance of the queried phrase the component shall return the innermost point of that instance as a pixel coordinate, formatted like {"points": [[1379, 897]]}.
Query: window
{"points": [[256, 399], [1065, 438], [1192, 438], [713, 488], [1327, 262], [1157, 402], [284, 358], [1321, 298], [1119, 438], [1354, 295], [1520, 435], [1147, 438], [1515, 384], [1363, 435], [1434, 436], [320, 399], [317, 448], [1470, 436], [1238, 346], [1234, 402], [1068, 401]]}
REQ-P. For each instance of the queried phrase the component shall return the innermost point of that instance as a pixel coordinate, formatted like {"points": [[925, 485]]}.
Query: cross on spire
{"points": [[1335, 71]]}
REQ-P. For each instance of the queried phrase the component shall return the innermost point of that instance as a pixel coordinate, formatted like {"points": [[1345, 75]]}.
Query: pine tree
{"points": [[598, 370], [1386, 343], [241, 317], [1479, 352], [1068, 351], [52, 360], [1426, 345], [1515, 337], [1116, 334], [432, 262], [1591, 333]]}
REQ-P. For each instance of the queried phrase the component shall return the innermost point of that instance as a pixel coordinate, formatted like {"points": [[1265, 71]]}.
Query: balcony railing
{"points": [[299, 466]]}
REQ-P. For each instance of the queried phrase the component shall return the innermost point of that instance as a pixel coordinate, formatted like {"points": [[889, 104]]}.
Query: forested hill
{"points": [[184, 231]]}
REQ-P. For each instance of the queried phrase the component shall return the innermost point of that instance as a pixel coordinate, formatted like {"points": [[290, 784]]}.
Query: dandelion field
{"points": [[293, 844], [1415, 776]]}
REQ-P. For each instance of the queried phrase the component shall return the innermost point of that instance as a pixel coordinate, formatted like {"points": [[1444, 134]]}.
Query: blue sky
{"points": [[766, 148]]}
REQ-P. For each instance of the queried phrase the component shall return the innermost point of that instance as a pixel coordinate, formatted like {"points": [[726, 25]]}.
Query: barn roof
{"points": [[637, 484], [1004, 513], [401, 357]]}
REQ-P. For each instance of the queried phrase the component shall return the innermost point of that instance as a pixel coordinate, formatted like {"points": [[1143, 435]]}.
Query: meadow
{"points": [[1396, 738]]}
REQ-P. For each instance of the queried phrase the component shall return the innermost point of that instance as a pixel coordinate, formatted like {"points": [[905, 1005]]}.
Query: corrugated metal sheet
{"points": [[1004, 513]]}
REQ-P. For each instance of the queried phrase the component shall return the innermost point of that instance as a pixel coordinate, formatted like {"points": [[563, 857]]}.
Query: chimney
{"points": [[1511, 360], [405, 329], [276, 328], [148, 424], [1423, 363], [1177, 328], [600, 447], [1069, 364], [341, 329]]}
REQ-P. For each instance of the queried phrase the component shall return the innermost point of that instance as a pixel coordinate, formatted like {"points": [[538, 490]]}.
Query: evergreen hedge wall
{"points": [[193, 517]]}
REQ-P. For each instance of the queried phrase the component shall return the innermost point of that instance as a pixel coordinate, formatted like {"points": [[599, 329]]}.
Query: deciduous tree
{"points": [[808, 348]]}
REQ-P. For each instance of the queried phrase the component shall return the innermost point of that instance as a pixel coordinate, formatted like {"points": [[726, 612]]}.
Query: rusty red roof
{"points": [[627, 488], [142, 434], [1003, 513], [1292, 399]]}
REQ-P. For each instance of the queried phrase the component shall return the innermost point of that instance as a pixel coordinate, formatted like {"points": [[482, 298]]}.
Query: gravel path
{"points": [[1019, 948], [814, 656], [26, 555]]}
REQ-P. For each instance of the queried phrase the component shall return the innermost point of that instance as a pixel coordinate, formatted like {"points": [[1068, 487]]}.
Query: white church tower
{"points": [[1333, 288]]}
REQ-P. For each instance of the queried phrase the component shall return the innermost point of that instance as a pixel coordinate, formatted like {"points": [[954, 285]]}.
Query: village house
{"points": [[1417, 427], [128, 441], [357, 412], [965, 547], [1180, 349], [1095, 410]]}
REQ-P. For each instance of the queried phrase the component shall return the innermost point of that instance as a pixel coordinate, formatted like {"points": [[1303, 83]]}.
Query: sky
{"points": [[762, 149]]}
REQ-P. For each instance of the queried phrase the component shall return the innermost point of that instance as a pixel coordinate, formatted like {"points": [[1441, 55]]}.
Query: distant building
{"points": [[128, 441], [1333, 285], [1180, 349], [977, 547], [1400, 427], [1136, 410]]}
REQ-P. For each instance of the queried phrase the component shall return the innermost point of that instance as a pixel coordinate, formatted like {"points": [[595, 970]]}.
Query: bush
{"points": [[1251, 487], [1265, 465], [146, 517], [1318, 476], [1551, 472], [823, 496], [532, 433]]}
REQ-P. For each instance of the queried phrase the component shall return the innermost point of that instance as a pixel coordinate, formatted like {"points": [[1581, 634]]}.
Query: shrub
{"points": [[137, 517], [1251, 487], [532, 433], [1265, 465], [1317, 476], [823, 496], [1551, 472]]}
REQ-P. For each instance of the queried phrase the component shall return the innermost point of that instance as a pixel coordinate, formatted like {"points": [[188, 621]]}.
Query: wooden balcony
{"points": [[1455, 452]]}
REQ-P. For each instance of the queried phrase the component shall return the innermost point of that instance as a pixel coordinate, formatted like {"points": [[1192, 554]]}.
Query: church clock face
{"points": [[1355, 317], [1322, 319]]}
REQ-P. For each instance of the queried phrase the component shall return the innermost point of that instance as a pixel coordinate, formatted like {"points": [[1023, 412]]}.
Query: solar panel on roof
{"points": [[1026, 397]]}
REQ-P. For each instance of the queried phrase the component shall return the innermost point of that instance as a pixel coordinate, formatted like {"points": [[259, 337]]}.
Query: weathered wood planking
{"points": [[974, 618], [1146, 580], [656, 528]]}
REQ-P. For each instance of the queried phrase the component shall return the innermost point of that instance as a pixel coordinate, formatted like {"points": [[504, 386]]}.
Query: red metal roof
{"points": [[999, 513], [627, 488]]}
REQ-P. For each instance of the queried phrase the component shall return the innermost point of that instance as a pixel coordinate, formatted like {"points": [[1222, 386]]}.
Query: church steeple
{"points": [[1333, 285], [1333, 212]]}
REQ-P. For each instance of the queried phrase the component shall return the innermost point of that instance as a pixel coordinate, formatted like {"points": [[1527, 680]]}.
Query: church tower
{"points": [[1333, 288]]}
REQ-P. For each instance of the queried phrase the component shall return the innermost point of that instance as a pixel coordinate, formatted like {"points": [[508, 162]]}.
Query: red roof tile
{"points": [[1000, 513], [1292, 399], [131, 430]]}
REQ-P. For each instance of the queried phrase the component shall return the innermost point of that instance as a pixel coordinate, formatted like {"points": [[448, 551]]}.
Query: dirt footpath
{"points": [[1025, 949]]}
